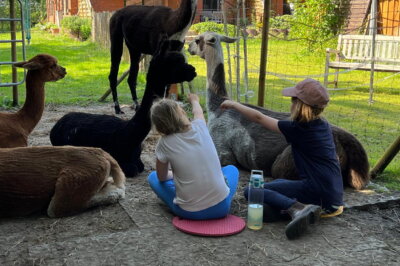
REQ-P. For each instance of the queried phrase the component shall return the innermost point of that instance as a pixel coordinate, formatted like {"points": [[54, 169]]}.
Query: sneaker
{"points": [[337, 210], [302, 216]]}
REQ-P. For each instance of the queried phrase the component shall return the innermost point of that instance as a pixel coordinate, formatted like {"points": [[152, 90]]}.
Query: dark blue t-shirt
{"points": [[315, 157]]}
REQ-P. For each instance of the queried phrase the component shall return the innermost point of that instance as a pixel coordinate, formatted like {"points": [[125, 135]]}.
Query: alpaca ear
{"points": [[227, 39], [28, 65], [162, 46]]}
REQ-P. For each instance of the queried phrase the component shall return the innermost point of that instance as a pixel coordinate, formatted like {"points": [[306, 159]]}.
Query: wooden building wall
{"points": [[389, 17]]}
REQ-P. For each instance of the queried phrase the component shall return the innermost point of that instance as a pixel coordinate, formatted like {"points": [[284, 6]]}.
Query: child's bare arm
{"points": [[252, 115], [162, 171], [196, 107]]}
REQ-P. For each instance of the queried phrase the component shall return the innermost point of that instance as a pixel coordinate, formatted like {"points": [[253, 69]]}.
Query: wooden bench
{"points": [[355, 52]]}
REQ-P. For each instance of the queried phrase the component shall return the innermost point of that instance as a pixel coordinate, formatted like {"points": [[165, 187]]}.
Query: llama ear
{"points": [[227, 39], [28, 65]]}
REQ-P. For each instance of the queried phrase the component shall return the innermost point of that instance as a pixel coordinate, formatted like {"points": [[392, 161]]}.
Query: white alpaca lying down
{"points": [[62, 180]]}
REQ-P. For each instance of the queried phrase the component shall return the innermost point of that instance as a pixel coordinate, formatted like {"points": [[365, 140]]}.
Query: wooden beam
{"points": [[264, 52], [386, 158], [14, 58]]}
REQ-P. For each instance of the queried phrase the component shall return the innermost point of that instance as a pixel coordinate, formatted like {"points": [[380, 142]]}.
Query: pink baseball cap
{"points": [[310, 92]]}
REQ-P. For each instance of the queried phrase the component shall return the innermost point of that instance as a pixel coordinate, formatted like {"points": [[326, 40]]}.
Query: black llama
{"points": [[123, 138], [142, 28]]}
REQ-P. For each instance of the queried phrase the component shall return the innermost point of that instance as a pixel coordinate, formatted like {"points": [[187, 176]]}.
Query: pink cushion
{"points": [[226, 226]]}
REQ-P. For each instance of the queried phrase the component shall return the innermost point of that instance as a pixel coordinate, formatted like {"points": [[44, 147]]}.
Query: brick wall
{"points": [[106, 5], [146, 2]]}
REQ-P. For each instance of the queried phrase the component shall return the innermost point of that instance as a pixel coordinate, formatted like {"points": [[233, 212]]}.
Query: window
{"points": [[211, 4]]}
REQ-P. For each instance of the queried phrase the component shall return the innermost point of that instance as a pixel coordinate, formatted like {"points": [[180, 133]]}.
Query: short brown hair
{"points": [[166, 117], [303, 112]]}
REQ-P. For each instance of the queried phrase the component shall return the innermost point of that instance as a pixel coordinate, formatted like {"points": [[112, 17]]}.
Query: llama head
{"points": [[44, 66], [209, 44], [169, 67]]}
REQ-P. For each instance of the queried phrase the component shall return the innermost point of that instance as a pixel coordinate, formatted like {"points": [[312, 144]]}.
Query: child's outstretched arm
{"points": [[196, 107], [252, 115]]}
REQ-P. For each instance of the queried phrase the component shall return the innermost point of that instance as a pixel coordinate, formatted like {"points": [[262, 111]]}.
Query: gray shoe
{"points": [[302, 216]]}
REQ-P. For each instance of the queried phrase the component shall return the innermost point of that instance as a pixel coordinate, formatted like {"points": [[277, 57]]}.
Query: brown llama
{"points": [[143, 28], [61, 181], [16, 127]]}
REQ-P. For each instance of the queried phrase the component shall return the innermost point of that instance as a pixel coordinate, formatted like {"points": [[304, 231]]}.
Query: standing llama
{"points": [[16, 127], [121, 138], [142, 28], [240, 141], [61, 180]]}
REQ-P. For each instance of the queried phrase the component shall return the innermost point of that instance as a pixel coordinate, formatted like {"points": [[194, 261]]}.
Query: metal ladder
{"points": [[14, 41]]}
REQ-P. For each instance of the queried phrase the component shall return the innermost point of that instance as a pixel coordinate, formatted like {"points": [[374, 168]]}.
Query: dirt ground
{"points": [[138, 230]]}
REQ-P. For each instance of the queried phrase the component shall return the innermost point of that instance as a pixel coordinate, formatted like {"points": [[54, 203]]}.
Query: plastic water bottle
{"points": [[255, 200]]}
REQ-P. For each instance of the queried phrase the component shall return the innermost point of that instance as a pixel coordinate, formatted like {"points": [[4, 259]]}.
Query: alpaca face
{"points": [[176, 70], [45, 67], [169, 67], [208, 44]]}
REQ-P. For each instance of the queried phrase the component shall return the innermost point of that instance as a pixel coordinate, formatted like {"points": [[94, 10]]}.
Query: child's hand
{"points": [[193, 98], [227, 104]]}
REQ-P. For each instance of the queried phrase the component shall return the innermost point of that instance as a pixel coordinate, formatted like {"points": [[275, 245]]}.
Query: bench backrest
{"points": [[359, 47]]}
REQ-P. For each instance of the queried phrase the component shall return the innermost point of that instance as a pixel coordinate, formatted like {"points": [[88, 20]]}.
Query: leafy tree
{"points": [[317, 21]]}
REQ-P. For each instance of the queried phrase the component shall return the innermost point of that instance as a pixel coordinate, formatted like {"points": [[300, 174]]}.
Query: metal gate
{"points": [[14, 20]]}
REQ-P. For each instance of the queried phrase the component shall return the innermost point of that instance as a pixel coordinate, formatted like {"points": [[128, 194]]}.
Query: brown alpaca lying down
{"points": [[60, 180]]}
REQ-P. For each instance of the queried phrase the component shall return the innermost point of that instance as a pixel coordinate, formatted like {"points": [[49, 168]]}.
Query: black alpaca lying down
{"points": [[123, 138]]}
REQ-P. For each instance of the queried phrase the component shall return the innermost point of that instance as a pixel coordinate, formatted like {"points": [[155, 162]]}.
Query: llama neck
{"points": [[32, 110], [181, 19], [216, 90], [143, 114], [140, 125]]}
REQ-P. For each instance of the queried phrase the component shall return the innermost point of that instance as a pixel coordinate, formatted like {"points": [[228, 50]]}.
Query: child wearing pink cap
{"points": [[314, 153]]}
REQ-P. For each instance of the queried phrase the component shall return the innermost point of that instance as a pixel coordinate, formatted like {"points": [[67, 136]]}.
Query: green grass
{"points": [[375, 125], [87, 69]]}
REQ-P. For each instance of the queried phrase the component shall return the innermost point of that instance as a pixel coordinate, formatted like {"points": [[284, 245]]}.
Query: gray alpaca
{"points": [[142, 28], [241, 142]]}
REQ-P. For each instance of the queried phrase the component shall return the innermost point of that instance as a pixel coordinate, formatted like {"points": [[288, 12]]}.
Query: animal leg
{"points": [[73, 190], [109, 194], [133, 73], [131, 169], [116, 49], [284, 167]]}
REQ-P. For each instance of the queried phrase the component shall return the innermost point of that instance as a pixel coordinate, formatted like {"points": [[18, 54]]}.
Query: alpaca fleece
{"points": [[16, 127], [142, 28], [60, 180], [122, 138], [242, 142]]}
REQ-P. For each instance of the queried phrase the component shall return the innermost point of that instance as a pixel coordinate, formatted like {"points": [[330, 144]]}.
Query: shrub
{"points": [[79, 27], [46, 26], [214, 27], [280, 22], [316, 21]]}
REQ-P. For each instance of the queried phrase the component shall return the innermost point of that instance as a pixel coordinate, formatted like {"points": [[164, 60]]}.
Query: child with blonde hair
{"points": [[196, 187], [314, 153]]}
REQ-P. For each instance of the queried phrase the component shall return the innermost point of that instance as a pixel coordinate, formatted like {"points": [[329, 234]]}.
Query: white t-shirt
{"points": [[198, 177]]}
